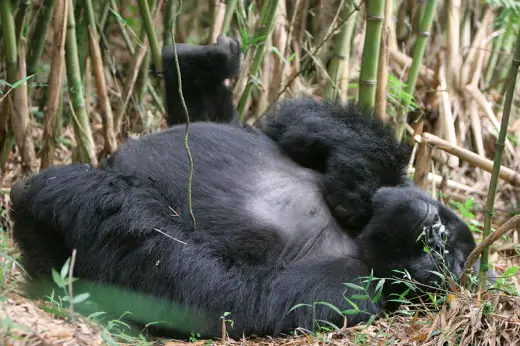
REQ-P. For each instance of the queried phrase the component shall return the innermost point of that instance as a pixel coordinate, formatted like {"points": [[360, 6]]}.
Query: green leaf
{"points": [[354, 286], [360, 296], [57, 279], [65, 269], [330, 306], [21, 81], [80, 298]]}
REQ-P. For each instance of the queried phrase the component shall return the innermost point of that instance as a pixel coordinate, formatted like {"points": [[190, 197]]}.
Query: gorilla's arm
{"points": [[204, 70], [354, 151], [117, 224]]}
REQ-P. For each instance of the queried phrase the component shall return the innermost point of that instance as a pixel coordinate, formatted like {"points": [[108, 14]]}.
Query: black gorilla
{"points": [[265, 238], [204, 72], [284, 216]]}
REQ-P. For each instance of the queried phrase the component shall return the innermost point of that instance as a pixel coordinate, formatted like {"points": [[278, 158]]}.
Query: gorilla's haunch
{"points": [[266, 239]]}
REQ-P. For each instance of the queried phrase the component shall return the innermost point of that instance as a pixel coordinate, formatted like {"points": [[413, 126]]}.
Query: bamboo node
{"points": [[376, 18], [367, 82]]}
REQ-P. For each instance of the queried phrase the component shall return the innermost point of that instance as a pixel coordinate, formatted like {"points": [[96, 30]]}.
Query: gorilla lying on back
{"points": [[283, 217]]}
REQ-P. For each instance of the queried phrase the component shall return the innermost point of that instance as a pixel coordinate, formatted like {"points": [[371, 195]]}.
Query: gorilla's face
{"points": [[410, 231]]}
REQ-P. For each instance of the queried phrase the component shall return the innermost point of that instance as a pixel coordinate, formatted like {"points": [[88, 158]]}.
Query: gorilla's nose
{"points": [[18, 191]]}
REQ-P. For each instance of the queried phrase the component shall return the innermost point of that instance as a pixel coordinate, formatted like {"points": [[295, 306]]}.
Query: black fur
{"points": [[265, 238], [353, 150], [203, 70]]}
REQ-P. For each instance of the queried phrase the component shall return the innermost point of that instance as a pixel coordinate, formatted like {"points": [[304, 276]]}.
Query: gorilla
{"points": [[205, 71], [302, 211]]}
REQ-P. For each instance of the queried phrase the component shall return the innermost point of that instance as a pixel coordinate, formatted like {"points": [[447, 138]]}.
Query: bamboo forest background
{"points": [[76, 80]]}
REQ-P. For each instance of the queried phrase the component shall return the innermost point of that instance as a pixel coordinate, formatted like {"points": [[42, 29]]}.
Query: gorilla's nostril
{"points": [[18, 191]]}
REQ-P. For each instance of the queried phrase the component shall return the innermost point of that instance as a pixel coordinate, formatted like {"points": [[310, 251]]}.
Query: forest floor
{"points": [[491, 318]]}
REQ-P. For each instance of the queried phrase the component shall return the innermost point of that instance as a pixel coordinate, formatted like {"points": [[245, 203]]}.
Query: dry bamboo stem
{"points": [[104, 101], [218, 21], [484, 104], [448, 121], [505, 174], [404, 61], [55, 83]]}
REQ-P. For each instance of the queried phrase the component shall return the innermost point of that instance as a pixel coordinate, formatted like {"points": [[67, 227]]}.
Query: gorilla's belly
{"points": [[289, 202]]}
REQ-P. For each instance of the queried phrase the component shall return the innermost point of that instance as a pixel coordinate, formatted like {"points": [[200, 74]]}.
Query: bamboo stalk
{"points": [[477, 95], [453, 8], [23, 13], [150, 33], [341, 49], [84, 141], [37, 42], [228, 17], [403, 60], [382, 67], [101, 88], [218, 21], [55, 84], [280, 39], [513, 72], [420, 47], [369, 62], [17, 99], [506, 174], [129, 45], [169, 12], [345, 76], [267, 23], [448, 119]]}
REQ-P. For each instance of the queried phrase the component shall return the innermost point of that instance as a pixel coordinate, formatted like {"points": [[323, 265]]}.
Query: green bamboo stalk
{"points": [[19, 115], [341, 53], [370, 59], [24, 12], [38, 37], [171, 9], [500, 144], [228, 17], [142, 78], [146, 15], [84, 141], [9, 35], [81, 19], [91, 17], [130, 46], [267, 21], [104, 15], [420, 47], [492, 64]]}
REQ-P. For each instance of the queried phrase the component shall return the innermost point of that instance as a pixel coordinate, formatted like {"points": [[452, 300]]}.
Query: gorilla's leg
{"points": [[355, 152], [204, 72], [125, 235]]}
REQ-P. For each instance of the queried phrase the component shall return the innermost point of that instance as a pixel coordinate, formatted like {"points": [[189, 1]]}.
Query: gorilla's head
{"points": [[412, 232]]}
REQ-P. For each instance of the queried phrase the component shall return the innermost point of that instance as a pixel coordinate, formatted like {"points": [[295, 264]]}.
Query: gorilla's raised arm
{"points": [[356, 153], [204, 71]]}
